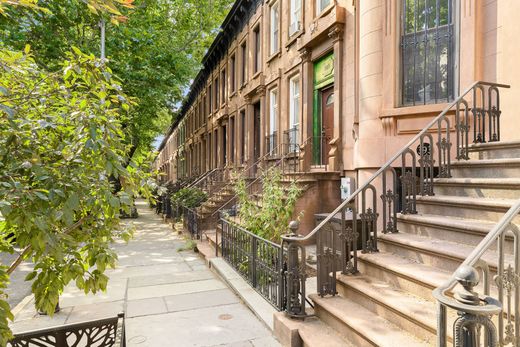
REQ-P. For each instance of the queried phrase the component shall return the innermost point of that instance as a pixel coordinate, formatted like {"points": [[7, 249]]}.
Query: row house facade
{"points": [[343, 84]]}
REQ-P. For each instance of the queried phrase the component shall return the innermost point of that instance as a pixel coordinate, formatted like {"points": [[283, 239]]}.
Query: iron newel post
{"points": [[472, 318], [295, 275]]}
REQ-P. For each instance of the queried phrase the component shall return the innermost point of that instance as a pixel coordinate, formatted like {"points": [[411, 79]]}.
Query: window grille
{"points": [[427, 52]]}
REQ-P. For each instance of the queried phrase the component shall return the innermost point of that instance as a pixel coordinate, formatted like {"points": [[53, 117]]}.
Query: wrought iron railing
{"points": [[289, 162], [108, 332], [336, 240], [191, 222], [259, 261], [475, 310], [271, 144], [292, 139]]}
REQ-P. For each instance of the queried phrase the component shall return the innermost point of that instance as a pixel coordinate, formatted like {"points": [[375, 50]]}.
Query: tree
{"points": [[155, 50], [61, 139]]}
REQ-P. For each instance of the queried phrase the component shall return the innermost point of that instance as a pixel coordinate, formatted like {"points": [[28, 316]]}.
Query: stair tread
{"points": [[479, 181], [431, 276], [443, 248], [491, 145], [314, 332], [499, 161], [467, 200], [378, 330], [405, 303], [448, 221]]}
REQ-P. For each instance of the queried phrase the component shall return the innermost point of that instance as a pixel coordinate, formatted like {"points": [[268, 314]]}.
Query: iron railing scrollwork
{"points": [[259, 261], [475, 311], [108, 332], [410, 172]]}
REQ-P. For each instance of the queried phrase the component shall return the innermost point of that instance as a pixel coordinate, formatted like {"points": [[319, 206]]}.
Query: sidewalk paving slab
{"points": [[170, 297]]}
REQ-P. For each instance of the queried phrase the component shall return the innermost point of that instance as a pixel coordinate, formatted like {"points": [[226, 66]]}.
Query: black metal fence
{"points": [[261, 262], [191, 222]]}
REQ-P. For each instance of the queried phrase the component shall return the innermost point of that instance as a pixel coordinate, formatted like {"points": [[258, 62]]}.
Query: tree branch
{"points": [[28, 249]]}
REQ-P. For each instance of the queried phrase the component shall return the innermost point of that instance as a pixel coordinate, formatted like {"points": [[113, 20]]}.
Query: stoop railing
{"points": [[259, 261], [476, 310], [474, 116]]}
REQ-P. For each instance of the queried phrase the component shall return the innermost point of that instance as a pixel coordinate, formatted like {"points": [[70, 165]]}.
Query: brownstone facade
{"points": [[339, 78]]}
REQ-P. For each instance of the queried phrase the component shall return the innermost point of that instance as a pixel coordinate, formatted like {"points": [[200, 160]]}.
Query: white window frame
{"points": [[274, 28], [273, 110], [295, 17], [321, 5], [295, 101]]}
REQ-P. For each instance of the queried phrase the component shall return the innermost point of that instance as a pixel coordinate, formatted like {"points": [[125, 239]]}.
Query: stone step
{"points": [[486, 168], [434, 252], [495, 150], [489, 209], [466, 231], [361, 326], [505, 188], [315, 333], [403, 273], [411, 313]]}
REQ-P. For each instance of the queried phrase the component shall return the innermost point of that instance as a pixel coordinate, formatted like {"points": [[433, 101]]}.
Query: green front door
{"points": [[323, 80]]}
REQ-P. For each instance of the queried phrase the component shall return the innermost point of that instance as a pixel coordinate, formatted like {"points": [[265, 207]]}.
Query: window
{"points": [[296, 15], [232, 77], [273, 120], [322, 4], [210, 99], [232, 139], [294, 112], [223, 82], [275, 28], [242, 136], [427, 52], [257, 52], [243, 72], [217, 100]]}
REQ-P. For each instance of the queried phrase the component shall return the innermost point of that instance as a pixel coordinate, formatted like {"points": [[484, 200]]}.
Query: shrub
{"points": [[270, 219], [188, 197]]}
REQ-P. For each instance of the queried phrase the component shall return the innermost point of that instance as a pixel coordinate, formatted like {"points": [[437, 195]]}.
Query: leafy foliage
{"points": [[188, 197], [270, 218], [155, 50], [61, 139]]}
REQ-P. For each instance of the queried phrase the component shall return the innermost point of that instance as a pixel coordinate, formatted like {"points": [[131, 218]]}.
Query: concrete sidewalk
{"points": [[170, 297]]}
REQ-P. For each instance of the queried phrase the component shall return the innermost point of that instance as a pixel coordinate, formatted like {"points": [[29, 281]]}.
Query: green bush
{"points": [[271, 218], [188, 197]]}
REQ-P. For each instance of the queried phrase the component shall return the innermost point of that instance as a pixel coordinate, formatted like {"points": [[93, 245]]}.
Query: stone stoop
{"points": [[390, 302]]}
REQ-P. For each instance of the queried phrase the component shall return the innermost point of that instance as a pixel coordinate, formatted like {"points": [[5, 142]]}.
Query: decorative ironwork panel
{"points": [[260, 262], [369, 228], [99, 333], [327, 255]]}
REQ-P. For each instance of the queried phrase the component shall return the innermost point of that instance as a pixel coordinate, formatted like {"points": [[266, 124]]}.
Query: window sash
{"points": [[273, 112], [428, 52], [321, 5], [296, 13], [275, 24], [294, 108]]}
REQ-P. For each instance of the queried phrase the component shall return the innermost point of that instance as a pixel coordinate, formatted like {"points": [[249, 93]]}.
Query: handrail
{"points": [[389, 162], [280, 160], [204, 176], [474, 260], [247, 169]]}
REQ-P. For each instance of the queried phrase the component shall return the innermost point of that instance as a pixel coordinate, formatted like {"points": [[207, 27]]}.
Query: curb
{"points": [[21, 305], [256, 303]]}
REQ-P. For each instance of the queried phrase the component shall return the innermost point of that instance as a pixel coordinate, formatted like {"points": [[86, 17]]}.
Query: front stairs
{"points": [[389, 302]]}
